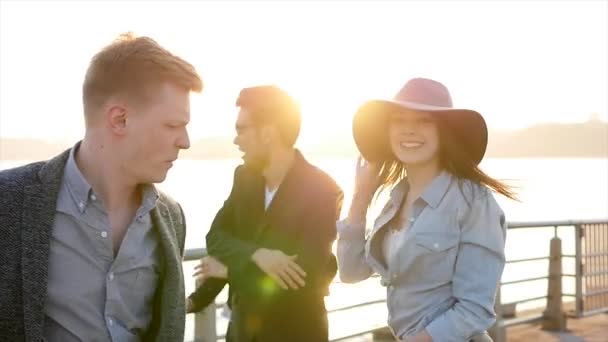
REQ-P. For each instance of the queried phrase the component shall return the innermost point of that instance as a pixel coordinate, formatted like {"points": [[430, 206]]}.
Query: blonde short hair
{"points": [[130, 66]]}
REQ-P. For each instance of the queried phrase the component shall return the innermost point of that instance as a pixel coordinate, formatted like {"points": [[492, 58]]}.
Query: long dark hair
{"points": [[451, 158]]}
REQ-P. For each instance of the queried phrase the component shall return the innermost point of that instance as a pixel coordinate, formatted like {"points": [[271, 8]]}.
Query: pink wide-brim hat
{"points": [[370, 124]]}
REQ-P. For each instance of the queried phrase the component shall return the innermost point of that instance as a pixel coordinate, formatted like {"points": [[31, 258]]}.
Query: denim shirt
{"points": [[446, 272]]}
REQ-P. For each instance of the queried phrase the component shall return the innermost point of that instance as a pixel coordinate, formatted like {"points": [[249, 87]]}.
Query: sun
{"points": [[324, 115]]}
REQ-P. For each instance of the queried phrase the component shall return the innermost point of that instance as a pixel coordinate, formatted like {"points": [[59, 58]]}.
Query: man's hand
{"points": [[280, 267], [189, 306], [210, 267]]}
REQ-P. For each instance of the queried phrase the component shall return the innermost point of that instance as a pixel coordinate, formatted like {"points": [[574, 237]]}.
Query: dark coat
{"points": [[301, 220]]}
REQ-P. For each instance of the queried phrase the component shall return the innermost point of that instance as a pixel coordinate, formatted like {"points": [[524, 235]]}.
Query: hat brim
{"points": [[370, 128]]}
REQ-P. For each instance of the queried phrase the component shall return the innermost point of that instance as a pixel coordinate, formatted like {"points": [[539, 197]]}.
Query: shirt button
{"points": [[81, 205], [93, 197], [104, 234], [436, 245], [111, 276], [110, 322], [412, 219]]}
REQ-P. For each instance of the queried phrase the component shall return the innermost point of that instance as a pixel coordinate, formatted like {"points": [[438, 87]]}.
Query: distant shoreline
{"points": [[579, 140], [338, 158]]}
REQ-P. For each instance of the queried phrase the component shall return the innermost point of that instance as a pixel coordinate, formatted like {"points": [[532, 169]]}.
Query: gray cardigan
{"points": [[28, 197]]}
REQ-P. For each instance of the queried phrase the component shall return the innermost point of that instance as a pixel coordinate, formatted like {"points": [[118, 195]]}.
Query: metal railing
{"points": [[590, 240], [592, 268], [591, 282]]}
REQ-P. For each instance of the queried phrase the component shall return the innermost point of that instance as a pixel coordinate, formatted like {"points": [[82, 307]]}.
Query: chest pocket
{"points": [[435, 255], [436, 242]]}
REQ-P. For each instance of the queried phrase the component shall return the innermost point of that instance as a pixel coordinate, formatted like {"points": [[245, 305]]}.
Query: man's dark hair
{"points": [[269, 104]]}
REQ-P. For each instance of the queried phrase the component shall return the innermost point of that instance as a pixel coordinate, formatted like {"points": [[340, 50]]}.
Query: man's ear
{"points": [[268, 134], [116, 116]]}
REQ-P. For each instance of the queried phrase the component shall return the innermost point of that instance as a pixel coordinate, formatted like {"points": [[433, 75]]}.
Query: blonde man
{"points": [[91, 250]]}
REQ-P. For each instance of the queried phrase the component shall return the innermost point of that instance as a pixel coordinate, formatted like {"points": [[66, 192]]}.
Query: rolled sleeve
{"points": [[351, 231], [477, 274], [352, 265]]}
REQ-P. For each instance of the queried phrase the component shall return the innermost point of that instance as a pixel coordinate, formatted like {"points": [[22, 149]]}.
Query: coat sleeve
{"points": [[205, 294], [224, 245]]}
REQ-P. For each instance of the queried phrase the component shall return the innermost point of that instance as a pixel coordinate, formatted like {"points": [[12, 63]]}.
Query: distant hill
{"points": [[30, 149], [584, 140], [212, 148], [550, 140]]}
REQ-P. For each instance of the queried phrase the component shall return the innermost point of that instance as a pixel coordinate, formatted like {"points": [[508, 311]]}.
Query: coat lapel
{"points": [[290, 190], [40, 201], [171, 307], [251, 209], [257, 211]]}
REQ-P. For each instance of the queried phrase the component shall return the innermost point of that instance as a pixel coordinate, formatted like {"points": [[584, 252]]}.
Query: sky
{"points": [[519, 63]]}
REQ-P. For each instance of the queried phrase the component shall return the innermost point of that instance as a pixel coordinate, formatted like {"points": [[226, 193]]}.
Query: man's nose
{"points": [[184, 141]]}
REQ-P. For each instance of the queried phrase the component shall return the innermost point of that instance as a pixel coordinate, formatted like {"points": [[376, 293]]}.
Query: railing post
{"points": [[204, 323], [554, 317], [497, 332], [579, 271]]}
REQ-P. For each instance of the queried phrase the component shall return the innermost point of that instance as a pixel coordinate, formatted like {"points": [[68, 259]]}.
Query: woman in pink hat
{"points": [[438, 244]]}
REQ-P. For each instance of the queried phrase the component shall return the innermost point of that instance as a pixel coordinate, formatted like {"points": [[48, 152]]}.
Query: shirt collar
{"points": [[78, 188], [81, 192], [434, 192], [150, 196], [432, 195]]}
